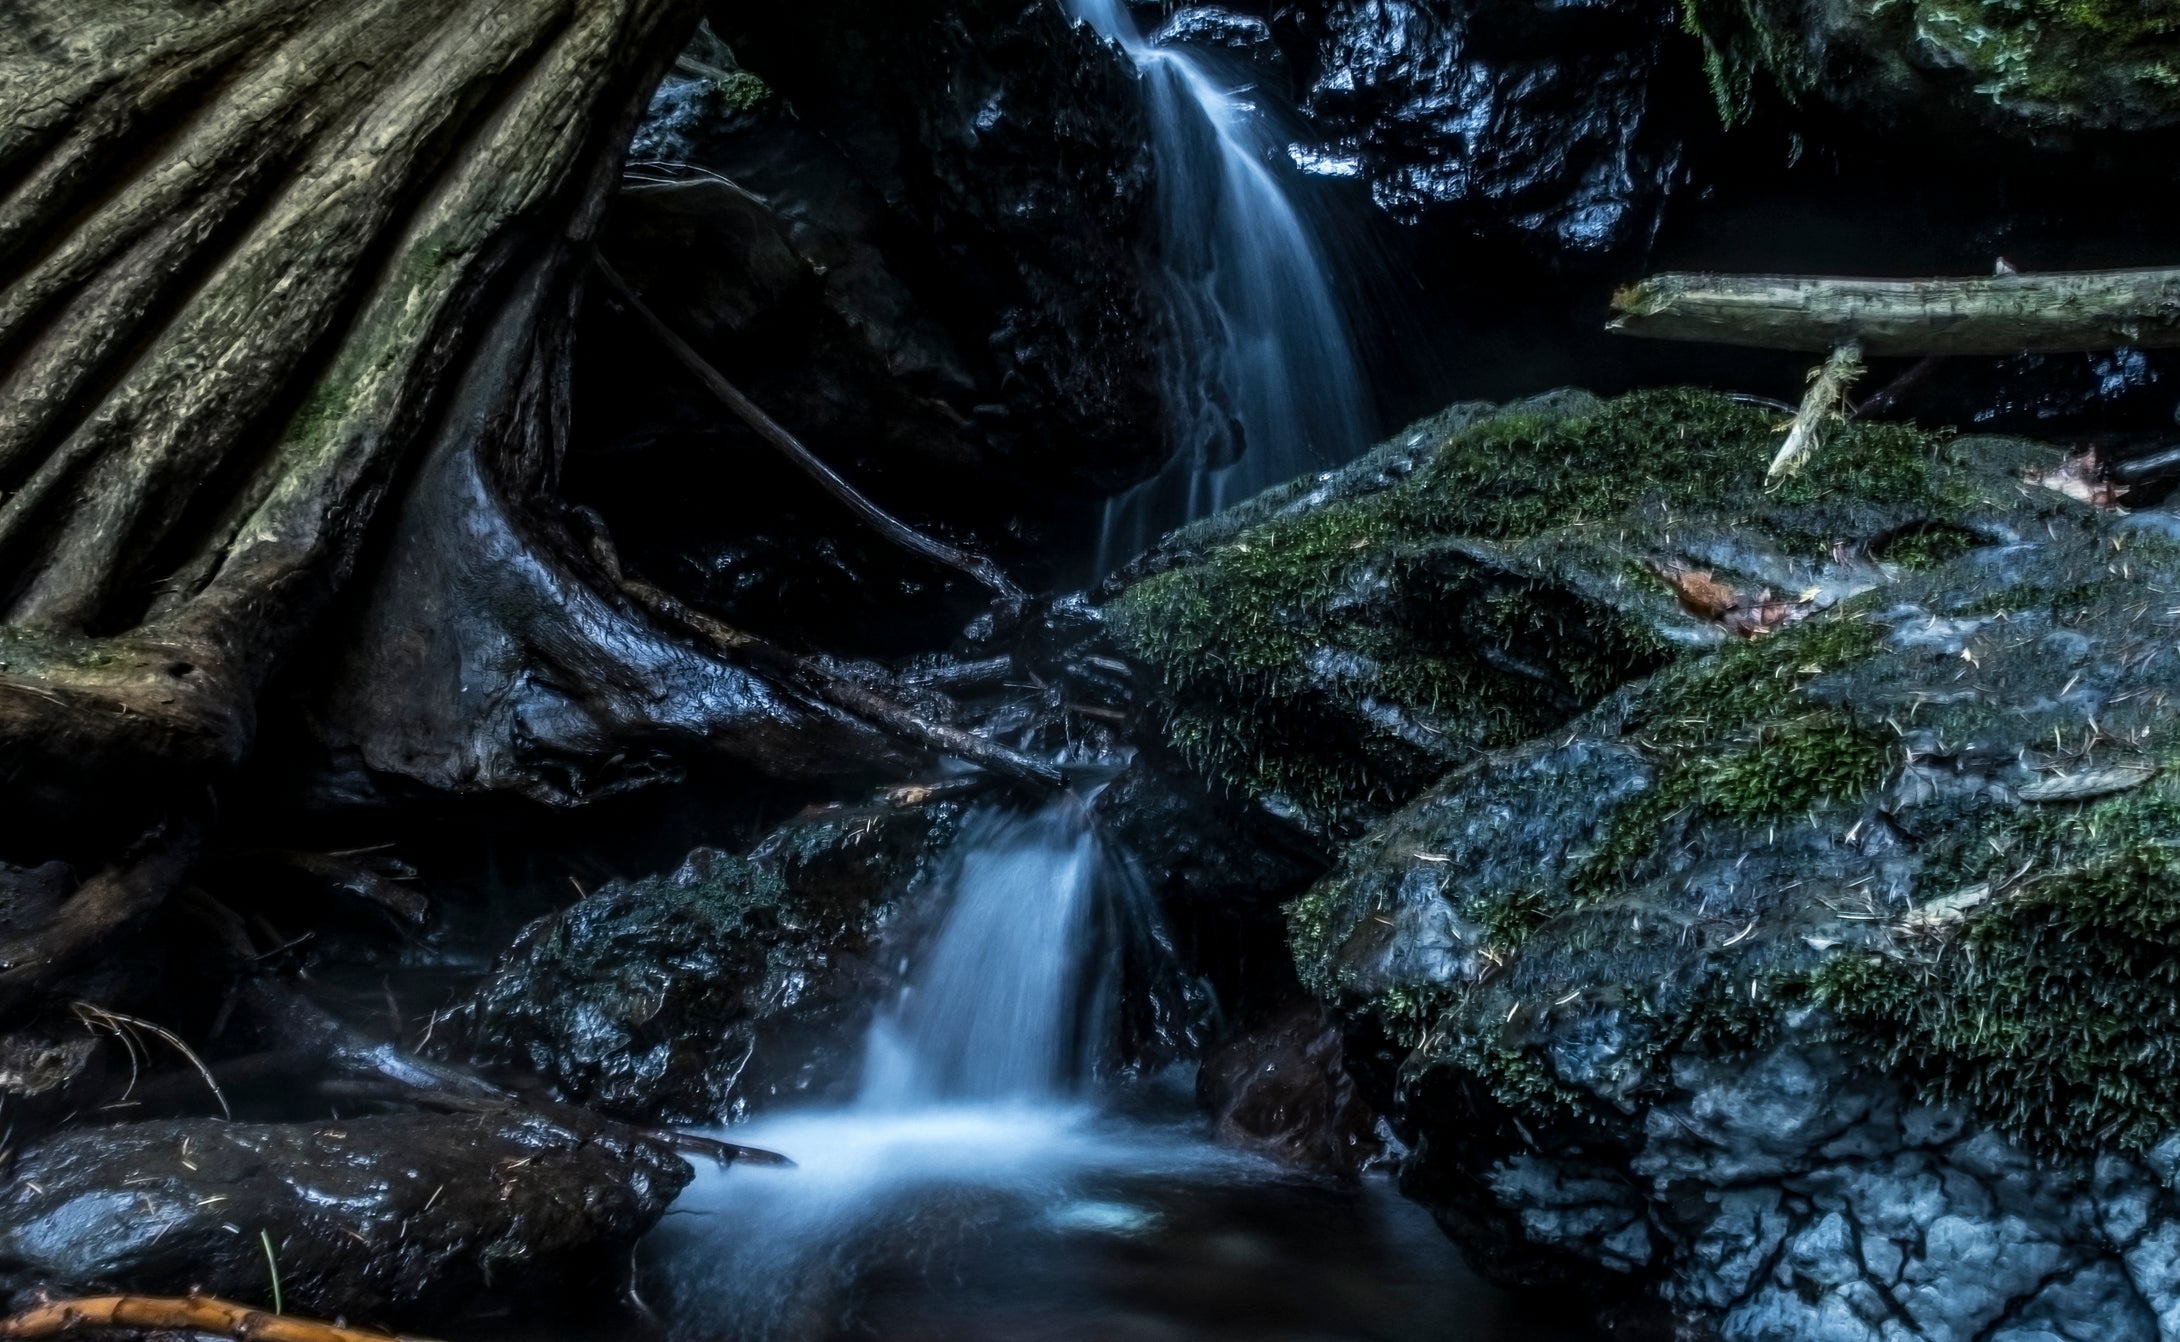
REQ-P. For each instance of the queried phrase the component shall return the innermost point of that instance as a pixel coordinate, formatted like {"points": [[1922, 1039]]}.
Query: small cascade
{"points": [[1260, 377], [997, 1010]]}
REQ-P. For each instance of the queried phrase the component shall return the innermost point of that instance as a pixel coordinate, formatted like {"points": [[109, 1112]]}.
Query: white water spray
{"points": [[1261, 381]]}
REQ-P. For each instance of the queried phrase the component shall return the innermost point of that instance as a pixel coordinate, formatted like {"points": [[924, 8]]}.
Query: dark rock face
{"points": [[395, 1219], [1532, 120], [1281, 1090], [1812, 984], [909, 232], [688, 997]]}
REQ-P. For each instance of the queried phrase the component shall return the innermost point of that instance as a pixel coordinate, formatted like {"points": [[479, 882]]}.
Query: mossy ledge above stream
{"points": [[1336, 644]]}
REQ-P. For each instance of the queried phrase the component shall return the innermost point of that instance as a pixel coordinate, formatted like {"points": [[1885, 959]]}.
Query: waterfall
{"points": [[970, 1103], [997, 1010], [1259, 373]]}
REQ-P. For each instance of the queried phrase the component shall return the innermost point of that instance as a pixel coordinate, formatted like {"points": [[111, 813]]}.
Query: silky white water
{"points": [[970, 1105], [1261, 382]]}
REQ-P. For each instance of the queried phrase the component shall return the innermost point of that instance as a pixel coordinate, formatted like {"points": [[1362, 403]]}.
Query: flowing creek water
{"points": [[983, 1184], [1261, 382]]}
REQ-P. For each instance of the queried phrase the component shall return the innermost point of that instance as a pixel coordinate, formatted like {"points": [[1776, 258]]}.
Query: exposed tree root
{"points": [[110, 902], [836, 689], [181, 1314], [809, 463]]}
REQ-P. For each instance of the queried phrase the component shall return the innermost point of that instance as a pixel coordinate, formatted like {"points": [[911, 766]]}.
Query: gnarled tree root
{"points": [[178, 1313]]}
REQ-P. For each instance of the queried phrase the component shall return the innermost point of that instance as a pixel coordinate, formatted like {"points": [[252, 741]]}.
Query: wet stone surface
{"points": [[388, 1219]]}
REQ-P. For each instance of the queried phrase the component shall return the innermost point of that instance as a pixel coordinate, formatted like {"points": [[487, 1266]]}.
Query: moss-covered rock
{"points": [[1888, 896], [732, 981], [2033, 66], [1336, 644]]}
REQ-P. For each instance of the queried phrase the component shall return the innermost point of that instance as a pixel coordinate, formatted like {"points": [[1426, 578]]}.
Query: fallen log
{"points": [[2003, 314], [178, 1314]]}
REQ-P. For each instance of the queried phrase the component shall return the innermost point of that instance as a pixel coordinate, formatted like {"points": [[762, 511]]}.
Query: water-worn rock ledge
{"points": [[392, 1219], [1816, 984]]}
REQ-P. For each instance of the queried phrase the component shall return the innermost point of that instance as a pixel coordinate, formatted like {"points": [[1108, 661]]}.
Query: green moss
{"points": [[741, 91], [2056, 1010], [1790, 767], [1733, 737], [1928, 546], [2088, 63], [1352, 652]]}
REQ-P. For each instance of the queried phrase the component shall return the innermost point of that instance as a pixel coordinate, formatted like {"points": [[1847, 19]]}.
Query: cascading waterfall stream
{"points": [[1260, 377], [994, 1013], [979, 1189]]}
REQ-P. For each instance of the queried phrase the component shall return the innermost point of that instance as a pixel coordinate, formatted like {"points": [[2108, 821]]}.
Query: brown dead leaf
{"points": [[1705, 594], [1699, 592]]}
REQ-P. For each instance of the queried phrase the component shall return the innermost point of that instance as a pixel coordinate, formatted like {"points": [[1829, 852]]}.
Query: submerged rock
{"points": [[1813, 982], [382, 1220], [688, 997], [1280, 1090]]}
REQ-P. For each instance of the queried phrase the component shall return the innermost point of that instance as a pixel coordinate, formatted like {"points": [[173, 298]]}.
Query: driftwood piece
{"points": [[2001, 314], [1824, 404], [178, 1314], [976, 566]]}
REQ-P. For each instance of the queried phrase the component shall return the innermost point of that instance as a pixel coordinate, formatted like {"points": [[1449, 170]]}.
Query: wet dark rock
{"points": [[386, 1219], [1331, 647], [729, 983], [1281, 1090], [1210, 28], [48, 1070], [1561, 124]]}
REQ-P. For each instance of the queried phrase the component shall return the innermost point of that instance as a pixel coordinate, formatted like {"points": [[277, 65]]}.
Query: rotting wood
{"points": [[975, 566], [179, 1314], [2045, 312]]}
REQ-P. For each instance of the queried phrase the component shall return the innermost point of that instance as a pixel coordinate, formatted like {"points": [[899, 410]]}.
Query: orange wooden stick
{"points": [[201, 1313]]}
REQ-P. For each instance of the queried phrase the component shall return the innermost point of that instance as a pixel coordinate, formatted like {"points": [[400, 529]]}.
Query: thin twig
{"points": [[843, 693], [123, 1027]]}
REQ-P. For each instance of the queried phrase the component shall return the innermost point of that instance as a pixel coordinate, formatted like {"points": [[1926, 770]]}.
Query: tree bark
{"points": [[244, 250], [2004, 314]]}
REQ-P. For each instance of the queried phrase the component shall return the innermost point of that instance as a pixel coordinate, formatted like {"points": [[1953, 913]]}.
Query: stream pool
{"points": [[1054, 1223]]}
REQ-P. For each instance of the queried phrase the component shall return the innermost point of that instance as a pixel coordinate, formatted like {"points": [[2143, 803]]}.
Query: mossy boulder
{"points": [[1822, 985], [1335, 645], [2033, 67], [729, 983]]}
